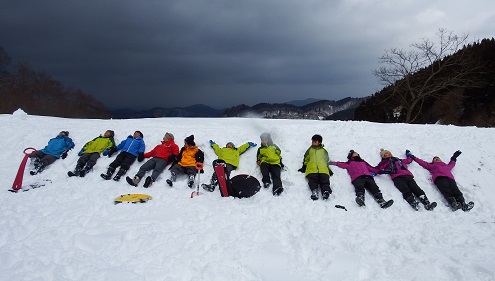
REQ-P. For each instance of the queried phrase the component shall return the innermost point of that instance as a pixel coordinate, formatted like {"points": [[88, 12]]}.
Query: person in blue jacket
{"points": [[131, 148], [56, 148]]}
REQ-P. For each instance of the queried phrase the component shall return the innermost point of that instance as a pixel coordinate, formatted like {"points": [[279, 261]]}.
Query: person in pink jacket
{"points": [[403, 179], [441, 174], [362, 178]]}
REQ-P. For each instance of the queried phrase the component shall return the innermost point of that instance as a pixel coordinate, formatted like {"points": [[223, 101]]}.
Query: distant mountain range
{"points": [[197, 110], [297, 109], [320, 109]]}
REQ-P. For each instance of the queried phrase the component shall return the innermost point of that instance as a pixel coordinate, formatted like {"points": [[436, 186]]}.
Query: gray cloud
{"points": [[222, 53]]}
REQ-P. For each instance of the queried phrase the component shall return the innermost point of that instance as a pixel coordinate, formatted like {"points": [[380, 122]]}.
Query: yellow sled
{"points": [[133, 198]]}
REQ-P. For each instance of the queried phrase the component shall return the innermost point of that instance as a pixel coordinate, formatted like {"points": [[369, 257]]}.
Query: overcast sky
{"points": [[141, 54]]}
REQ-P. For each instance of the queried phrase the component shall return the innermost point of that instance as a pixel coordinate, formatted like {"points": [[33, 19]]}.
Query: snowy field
{"points": [[70, 229]]}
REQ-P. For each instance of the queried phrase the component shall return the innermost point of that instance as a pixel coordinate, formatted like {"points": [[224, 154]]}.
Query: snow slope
{"points": [[71, 230]]}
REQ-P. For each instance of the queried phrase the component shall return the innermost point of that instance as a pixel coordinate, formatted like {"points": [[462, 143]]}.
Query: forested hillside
{"points": [[40, 94], [473, 105]]}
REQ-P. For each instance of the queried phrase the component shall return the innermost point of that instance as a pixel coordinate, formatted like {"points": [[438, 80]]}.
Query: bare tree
{"points": [[428, 70]]}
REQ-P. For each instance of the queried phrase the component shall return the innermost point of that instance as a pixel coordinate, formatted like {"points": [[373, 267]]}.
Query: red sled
{"points": [[222, 179], [17, 185]]}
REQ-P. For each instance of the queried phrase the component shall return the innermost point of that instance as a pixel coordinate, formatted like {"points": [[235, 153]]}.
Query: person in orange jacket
{"points": [[189, 155]]}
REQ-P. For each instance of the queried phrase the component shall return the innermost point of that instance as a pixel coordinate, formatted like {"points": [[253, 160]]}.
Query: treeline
{"points": [[464, 106], [38, 93]]}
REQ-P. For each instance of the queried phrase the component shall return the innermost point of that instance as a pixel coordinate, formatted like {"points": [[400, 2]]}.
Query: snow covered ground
{"points": [[71, 230]]}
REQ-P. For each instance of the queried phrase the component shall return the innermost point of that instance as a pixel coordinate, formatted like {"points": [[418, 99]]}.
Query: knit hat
{"points": [[139, 132], [265, 136], [190, 140], [112, 133], [169, 136], [317, 138], [349, 156], [383, 152]]}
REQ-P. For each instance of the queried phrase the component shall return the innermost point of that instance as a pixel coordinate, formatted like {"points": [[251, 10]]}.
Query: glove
{"points": [[456, 154], [373, 174], [64, 155], [140, 157], [112, 151], [201, 171], [251, 144], [105, 152], [80, 153], [172, 158], [409, 154], [303, 169], [211, 142]]}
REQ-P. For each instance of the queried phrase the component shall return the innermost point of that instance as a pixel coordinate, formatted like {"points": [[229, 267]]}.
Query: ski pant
{"points": [[363, 183], [319, 180], [46, 159], [155, 164], [188, 170], [273, 170], [228, 169], [448, 188], [407, 186], [88, 159], [124, 160]]}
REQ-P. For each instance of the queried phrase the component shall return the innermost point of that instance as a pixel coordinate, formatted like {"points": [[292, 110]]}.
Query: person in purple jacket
{"points": [[403, 179], [362, 178], [441, 174]]}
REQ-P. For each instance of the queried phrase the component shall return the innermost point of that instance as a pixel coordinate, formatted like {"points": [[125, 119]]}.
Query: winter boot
{"points": [[119, 174], [190, 182], [109, 173], [171, 180], [76, 172], [325, 195], [314, 195], [454, 205], [38, 169], [360, 200], [35, 161], [148, 182], [428, 206], [413, 202], [208, 187], [266, 184], [385, 204], [467, 206], [134, 181], [86, 170], [277, 191]]}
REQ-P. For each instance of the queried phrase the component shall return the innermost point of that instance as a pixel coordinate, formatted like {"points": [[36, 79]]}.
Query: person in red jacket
{"points": [[163, 154], [441, 174]]}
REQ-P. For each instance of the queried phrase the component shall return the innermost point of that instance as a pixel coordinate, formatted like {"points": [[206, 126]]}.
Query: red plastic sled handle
{"points": [[29, 153]]}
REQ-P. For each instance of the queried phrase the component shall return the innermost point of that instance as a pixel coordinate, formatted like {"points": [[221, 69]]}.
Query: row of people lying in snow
{"points": [[315, 166]]}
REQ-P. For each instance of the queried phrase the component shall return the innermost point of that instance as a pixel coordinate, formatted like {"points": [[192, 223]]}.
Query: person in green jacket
{"points": [[269, 160], [315, 166], [229, 155], [90, 153]]}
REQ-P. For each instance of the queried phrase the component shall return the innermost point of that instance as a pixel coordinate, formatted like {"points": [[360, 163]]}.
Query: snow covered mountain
{"points": [[318, 110], [70, 229]]}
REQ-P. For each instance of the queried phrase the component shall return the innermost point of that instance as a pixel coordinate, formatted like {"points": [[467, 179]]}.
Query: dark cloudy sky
{"points": [[131, 53]]}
